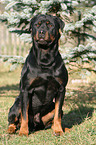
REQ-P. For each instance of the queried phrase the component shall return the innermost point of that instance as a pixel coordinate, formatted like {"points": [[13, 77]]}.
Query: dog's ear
{"points": [[31, 23], [60, 23]]}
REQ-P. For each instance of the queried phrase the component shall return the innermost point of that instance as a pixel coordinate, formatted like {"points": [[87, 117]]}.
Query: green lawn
{"points": [[79, 112]]}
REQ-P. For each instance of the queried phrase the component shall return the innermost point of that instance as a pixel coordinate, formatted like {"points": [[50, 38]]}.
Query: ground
{"points": [[79, 112]]}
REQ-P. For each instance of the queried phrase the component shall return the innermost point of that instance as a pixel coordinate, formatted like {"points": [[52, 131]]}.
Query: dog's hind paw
{"points": [[11, 129]]}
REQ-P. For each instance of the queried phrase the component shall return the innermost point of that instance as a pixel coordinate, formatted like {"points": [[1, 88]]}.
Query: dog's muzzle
{"points": [[42, 37]]}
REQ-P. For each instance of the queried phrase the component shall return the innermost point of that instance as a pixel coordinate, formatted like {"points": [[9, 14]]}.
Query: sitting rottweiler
{"points": [[43, 80]]}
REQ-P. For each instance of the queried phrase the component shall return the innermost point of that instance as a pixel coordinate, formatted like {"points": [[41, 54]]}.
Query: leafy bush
{"points": [[78, 15]]}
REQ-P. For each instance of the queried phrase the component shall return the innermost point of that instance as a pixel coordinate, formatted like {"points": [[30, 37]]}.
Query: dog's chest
{"points": [[46, 82], [45, 87]]}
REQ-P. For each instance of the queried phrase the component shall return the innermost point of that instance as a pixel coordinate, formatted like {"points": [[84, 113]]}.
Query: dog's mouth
{"points": [[41, 41], [43, 44]]}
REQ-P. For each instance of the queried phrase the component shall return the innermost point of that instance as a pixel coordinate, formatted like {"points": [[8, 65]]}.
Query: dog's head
{"points": [[45, 29]]}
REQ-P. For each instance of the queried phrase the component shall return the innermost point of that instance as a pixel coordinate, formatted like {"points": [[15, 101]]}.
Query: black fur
{"points": [[44, 75]]}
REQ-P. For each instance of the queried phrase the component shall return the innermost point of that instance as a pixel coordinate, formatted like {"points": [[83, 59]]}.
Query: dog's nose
{"points": [[41, 32]]}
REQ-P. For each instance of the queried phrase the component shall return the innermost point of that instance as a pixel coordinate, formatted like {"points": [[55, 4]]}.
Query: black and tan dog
{"points": [[43, 79]]}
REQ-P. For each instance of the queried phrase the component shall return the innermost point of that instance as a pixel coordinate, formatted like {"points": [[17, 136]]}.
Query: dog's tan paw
{"points": [[11, 128]]}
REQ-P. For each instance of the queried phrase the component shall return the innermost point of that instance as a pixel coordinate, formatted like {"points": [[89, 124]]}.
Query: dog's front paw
{"points": [[57, 130], [23, 131], [11, 128]]}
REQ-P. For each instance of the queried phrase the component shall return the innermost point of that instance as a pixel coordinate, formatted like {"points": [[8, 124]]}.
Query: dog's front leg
{"points": [[24, 114], [57, 128]]}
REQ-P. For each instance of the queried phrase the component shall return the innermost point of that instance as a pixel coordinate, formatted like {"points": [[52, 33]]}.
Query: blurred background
{"points": [[78, 49], [78, 39]]}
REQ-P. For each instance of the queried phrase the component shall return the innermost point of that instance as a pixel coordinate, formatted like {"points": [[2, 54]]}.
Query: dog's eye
{"points": [[47, 22], [50, 25], [39, 23]]}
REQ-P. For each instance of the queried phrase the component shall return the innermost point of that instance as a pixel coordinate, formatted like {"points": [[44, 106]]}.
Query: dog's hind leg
{"points": [[14, 115], [47, 114]]}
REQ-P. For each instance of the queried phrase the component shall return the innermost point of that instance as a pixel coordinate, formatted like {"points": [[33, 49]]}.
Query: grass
{"points": [[79, 112]]}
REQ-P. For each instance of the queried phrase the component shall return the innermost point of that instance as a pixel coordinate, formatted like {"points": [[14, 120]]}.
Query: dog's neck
{"points": [[46, 57]]}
